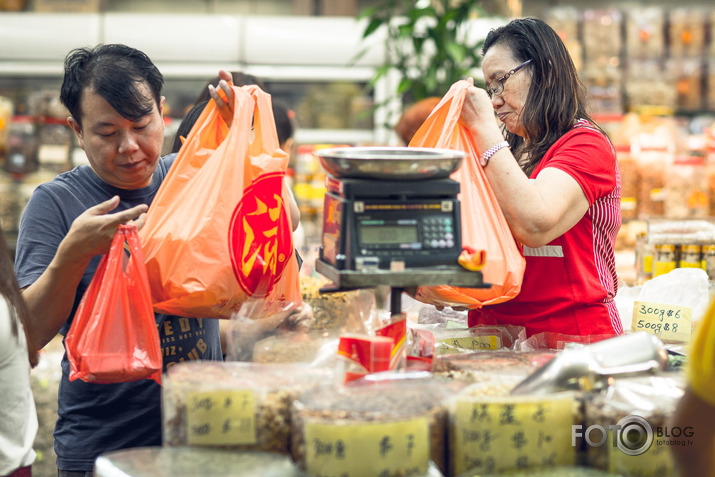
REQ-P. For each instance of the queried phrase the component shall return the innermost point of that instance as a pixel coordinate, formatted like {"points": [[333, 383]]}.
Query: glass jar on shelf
{"points": [[708, 257], [21, 156], [664, 260], [645, 252], [690, 256]]}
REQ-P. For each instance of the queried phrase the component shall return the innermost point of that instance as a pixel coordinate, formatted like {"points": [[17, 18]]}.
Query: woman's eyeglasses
{"points": [[496, 87]]}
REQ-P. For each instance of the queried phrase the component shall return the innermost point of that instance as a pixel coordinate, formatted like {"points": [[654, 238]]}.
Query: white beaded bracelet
{"points": [[484, 160]]}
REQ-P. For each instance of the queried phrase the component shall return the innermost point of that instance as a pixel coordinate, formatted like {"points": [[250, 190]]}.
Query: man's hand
{"points": [[92, 232]]}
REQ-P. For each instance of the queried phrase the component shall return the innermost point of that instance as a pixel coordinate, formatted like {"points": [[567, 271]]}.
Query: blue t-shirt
{"points": [[98, 418]]}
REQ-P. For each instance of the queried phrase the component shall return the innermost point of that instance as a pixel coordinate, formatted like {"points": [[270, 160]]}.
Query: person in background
{"points": [[187, 122], [113, 94], [413, 117], [556, 179], [695, 412], [238, 78], [284, 127], [18, 417]]}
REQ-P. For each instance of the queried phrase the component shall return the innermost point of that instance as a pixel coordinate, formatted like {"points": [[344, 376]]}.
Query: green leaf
{"points": [[372, 27]]}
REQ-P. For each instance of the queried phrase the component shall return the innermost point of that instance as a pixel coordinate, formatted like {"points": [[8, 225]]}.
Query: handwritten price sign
{"points": [[220, 418], [668, 322]]}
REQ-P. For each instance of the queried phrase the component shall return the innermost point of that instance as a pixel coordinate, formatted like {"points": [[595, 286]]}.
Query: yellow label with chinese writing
{"points": [[648, 264], [367, 450], [656, 460], [471, 343], [220, 418], [661, 268], [669, 322], [497, 434]]}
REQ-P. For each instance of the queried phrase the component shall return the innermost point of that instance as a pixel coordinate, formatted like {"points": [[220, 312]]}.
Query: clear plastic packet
{"points": [[557, 341], [560, 471], [233, 405], [191, 461], [314, 348], [477, 338], [385, 424], [626, 424], [481, 366]]}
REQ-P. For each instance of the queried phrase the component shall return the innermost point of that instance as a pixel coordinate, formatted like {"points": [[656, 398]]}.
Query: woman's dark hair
{"points": [[115, 72], [238, 79], [284, 122], [15, 303], [187, 123], [557, 98]]}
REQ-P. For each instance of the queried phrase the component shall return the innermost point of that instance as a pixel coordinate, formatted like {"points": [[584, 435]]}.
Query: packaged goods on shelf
{"points": [[21, 153], [652, 163], [9, 206], [396, 426], [604, 79], [670, 244], [630, 182], [6, 109], [686, 32], [54, 145], [686, 188], [233, 405], [647, 84], [565, 21], [653, 140], [710, 81], [644, 32], [639, 404], [602, 34], [687, 76]]}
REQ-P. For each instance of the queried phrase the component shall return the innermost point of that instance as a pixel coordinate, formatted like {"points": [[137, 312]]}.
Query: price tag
{"points": [[367, 450], [472, 343], [497, 434], [668, 322], [220, 418], [657, 460], [455, 325]]}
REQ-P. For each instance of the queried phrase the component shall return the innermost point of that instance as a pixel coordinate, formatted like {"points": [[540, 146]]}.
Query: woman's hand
{"points": [[223, 96], [478, 117]]}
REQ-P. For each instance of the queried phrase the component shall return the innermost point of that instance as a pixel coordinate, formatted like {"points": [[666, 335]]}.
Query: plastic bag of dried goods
{"points": [[233, 405], [384, 424]]}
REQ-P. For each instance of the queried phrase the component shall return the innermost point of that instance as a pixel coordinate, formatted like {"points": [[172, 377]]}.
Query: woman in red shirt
{"points": [[555, 176]]}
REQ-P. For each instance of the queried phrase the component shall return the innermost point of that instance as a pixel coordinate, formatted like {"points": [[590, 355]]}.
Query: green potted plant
{"points": [[428, 45]]}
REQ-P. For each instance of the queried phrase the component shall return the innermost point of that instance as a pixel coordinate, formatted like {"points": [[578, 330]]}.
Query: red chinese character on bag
{"points": [[260, 239]]}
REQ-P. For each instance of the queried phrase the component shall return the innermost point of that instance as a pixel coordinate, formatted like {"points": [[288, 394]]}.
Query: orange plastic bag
{"points": [[484, 226], [218, 231], [113, 337]]}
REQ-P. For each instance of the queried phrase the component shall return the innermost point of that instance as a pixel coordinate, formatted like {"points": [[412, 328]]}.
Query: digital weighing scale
{"points": [[391, 216]]}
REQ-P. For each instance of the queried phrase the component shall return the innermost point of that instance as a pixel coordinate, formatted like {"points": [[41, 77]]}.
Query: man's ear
{"points": [[77, 130], [161, 106]]}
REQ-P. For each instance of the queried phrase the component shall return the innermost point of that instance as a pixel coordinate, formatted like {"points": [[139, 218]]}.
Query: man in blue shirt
{"points": [[113, 94]]}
